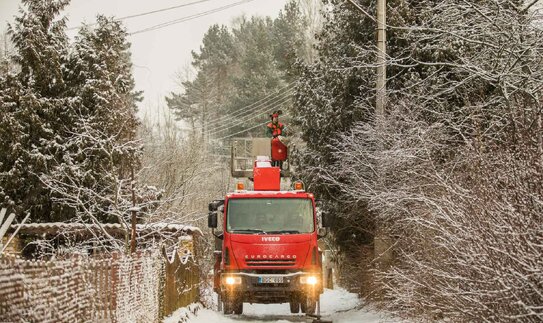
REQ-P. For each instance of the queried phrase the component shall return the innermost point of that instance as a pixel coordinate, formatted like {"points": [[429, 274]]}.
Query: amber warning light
{"points": [[240, 186], [298, 186]]}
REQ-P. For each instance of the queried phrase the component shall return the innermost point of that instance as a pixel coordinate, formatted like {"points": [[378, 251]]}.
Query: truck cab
{"points": [[268, 251]]}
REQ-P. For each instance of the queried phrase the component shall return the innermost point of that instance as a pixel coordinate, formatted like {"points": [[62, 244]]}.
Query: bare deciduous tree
{"points": [[454, 172]]}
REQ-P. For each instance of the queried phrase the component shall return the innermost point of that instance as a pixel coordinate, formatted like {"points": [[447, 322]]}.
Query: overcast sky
{"points": [[157, 54]]}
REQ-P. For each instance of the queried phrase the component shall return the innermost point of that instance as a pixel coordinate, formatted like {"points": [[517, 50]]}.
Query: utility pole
{"points": [[381, 86], [382, 243]]}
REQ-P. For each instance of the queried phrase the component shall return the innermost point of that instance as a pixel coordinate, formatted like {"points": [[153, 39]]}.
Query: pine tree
{"points": [[288, 38], [34, 109], [258, 74], [100, 151], [204, 97], [67, 117], [198, 102], [239, 66]]}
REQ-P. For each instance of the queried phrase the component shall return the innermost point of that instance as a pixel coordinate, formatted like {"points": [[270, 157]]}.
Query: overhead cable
{"points": [[187, 18], [242, 131], [263, 108], [250, 107], [247, 119], [242, 121], [150, 12]]}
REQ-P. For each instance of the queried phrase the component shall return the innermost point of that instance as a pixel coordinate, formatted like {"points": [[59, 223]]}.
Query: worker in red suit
{"points": [[275, 128]]}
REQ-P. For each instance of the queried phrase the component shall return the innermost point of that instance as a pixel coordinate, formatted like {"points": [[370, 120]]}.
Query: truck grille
{"points": [[270, 262]]}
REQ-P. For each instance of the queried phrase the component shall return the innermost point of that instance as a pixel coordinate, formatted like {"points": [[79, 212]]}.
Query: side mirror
{"points": [[214, 206], [325, 221], [212, 220]]}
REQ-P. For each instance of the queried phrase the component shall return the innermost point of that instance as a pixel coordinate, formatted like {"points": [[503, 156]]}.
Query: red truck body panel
{"points": [[267, 178], [282, 251]]}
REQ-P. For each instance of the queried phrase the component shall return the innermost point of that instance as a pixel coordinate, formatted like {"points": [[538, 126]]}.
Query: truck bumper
{"points": [[249, 287]]}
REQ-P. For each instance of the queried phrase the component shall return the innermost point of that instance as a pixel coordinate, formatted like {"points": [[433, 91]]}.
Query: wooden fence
{"points": [[181, 286], [29, 290], [102, 279], [143, 288]]}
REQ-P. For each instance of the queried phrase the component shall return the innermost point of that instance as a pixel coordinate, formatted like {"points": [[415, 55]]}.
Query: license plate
{"points": [[270, 280]]}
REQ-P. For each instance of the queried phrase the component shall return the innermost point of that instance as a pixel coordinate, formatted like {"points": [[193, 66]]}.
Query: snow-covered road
{"points": [[337, 305]]}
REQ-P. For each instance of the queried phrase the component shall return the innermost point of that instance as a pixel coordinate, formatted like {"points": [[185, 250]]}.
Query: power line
{"points": [[187, 18], [248, 118], [237, 133], [245, 120], [150, 12], [261, 108], [250, 106], [162, 10], [240, 122]]}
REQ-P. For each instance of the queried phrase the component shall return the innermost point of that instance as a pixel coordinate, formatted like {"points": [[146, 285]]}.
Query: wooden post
{"points": [[381, 60], [382, 242]]}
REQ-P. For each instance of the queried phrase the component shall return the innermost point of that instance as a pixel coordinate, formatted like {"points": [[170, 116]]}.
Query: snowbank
{"points": [[183, 314]]}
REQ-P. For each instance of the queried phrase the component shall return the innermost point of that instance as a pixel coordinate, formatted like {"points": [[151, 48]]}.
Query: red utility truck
{"points": [[267, 251]]}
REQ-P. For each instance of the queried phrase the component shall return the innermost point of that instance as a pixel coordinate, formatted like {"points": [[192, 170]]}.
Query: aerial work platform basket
{"points": [[246, 150]]}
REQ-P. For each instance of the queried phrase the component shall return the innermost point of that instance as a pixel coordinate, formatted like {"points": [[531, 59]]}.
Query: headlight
{"points": [[309, 280], [232, 280]]}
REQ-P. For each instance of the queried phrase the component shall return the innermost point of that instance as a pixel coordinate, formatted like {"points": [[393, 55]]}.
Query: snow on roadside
{"points": [[338, 305], [338, 300], [342, 306], [183, 314]]}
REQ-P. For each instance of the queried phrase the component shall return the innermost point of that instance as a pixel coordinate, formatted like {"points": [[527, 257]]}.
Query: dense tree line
{"points": [[238, 66], [452, 174], [67, 118]]}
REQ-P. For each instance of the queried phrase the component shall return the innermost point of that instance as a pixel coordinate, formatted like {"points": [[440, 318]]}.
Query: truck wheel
{"points": [[308, 305], [227, 306], [294, 306], [238, 308]]}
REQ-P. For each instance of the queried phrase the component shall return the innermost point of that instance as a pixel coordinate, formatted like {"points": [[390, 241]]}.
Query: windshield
{"points": [[270, 215]]}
